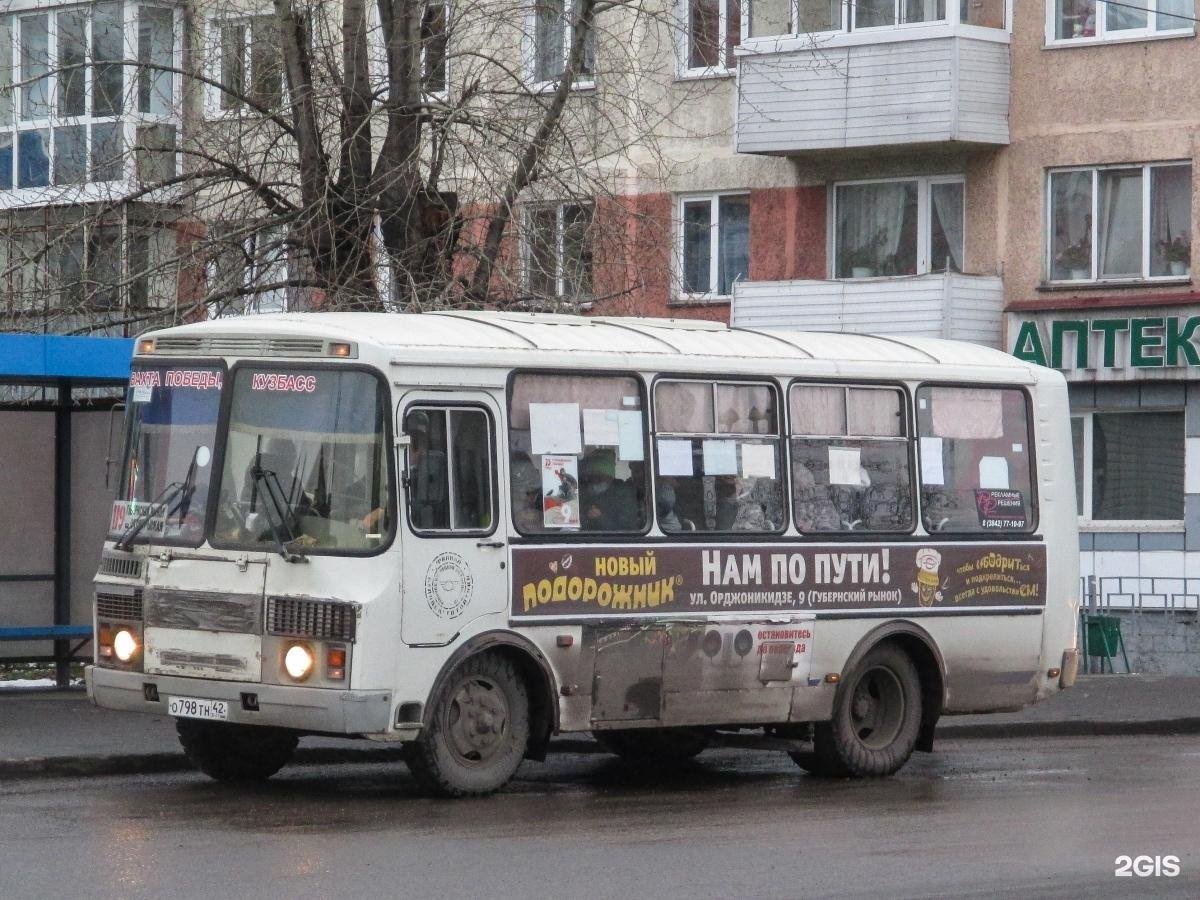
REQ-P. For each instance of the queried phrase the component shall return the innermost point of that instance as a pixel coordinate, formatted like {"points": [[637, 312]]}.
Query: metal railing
{"points": [[1138, 594]]}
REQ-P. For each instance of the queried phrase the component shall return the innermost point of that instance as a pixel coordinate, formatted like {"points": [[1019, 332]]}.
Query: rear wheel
{"points": [[229, 752], [478, 731], [876, 719], [653, 746]]}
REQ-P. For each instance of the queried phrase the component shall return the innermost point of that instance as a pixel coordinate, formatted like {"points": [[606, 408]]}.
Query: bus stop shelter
{"points": [[57, 419]]}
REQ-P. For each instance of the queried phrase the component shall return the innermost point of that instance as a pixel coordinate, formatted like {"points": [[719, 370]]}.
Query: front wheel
{"points": [[478, 731], [876, 719], [229, 752]]}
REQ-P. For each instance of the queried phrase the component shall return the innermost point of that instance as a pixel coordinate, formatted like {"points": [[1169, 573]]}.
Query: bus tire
{"points": [[653, 746], [229, 752], [478, 730], [876, 719]]}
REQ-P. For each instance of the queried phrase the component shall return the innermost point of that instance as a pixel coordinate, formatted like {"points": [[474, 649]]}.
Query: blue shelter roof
{"points": [[51, 356]]}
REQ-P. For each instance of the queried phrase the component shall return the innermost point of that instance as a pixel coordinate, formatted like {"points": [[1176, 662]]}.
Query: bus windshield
{"points": [[172, 426], [306, 462]]}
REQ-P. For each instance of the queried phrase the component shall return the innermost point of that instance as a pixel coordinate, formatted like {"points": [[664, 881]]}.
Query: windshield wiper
{"points": [[275, 505], [181, 490]]}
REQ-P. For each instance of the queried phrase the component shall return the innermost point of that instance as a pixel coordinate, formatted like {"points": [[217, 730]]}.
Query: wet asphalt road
{"points": [[978, 818]]}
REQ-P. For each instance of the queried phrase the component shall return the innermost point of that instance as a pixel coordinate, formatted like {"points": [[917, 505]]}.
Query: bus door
{"points": [[454, 548]]}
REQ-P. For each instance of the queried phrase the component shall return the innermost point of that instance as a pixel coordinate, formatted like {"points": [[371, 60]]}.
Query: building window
{"points": [[774, 17], [435, 61], [553, 26], [1120, 223], [1129, 466], [247, 63], [714, 29], [910, 227], [1100, 20], [247, 271], [558, 251], [66, 117], [714, 247]]}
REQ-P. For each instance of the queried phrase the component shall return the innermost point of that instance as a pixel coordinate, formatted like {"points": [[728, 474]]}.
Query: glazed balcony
{"points": [[874, 74]]}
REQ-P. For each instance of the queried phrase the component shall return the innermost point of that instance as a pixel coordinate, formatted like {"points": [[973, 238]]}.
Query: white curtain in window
{"points": [[972, 413], [1166, 21], [818, 410], [873, 413], [870, 223], [947, 226], [1120, 234], [685, 407]]}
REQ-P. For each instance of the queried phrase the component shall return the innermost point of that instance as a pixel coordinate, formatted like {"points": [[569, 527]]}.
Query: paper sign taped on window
{"points": [[931, 461], [758, 461], [970, 413], [631, 445], [675, 458], [720, 458], [142, 393], [845, 466], [554, 428], [600, 428], [993, 473]]}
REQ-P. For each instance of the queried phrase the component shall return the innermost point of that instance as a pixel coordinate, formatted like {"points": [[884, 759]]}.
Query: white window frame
{"points": [[1103, 36], [445, 91], [951, 23], [583, 83], [1104, 525], [925, 185], [721, 70], [714, 228], [527, 248], [128, 119], [215, 57], [257, 267], [1095, 278]]}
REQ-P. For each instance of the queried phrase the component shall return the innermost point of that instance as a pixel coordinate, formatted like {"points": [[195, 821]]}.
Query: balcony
{"points": [[961, 307], [923, 83]]}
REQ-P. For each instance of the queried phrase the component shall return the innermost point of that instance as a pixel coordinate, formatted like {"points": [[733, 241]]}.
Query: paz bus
{"points": [[468, 532]]}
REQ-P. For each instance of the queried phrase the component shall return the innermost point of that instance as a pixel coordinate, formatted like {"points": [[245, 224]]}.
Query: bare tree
{"points": [[358, 155]]}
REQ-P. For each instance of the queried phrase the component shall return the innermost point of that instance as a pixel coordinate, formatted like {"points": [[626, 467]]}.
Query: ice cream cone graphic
{"points": [[926, 586]]}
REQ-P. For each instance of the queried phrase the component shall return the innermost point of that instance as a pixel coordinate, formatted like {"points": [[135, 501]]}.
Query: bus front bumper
{"points": [[299, 708]]}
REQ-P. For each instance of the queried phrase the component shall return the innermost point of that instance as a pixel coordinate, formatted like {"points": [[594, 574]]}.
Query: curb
{"points": [[161, 763]]}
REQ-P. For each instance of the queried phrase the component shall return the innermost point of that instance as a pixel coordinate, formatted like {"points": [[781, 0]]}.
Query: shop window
{"points": [[1120, 223], [714, 29], [1100, 20], [975, 448], [714, 239], [448, 471], [1129, 466], [577, 454], [558, 251], [553, 28], [850, 459], [718, 457], [879, 228]]}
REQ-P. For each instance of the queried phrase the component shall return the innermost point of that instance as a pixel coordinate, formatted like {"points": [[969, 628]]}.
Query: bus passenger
{"points": [[607, 504]]}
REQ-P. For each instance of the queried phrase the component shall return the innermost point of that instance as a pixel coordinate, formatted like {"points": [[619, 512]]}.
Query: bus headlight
{"points": [[298, 661], [125, 645]]}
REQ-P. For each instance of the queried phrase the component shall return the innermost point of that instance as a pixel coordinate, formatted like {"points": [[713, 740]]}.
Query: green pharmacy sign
{"points": [[1141, 342]]}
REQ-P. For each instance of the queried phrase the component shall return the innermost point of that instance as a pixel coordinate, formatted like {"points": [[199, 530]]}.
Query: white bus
{"points": [[469, 532]]}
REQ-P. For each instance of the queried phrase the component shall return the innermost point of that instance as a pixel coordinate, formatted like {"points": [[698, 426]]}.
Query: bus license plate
{"points": [[195, 708]]}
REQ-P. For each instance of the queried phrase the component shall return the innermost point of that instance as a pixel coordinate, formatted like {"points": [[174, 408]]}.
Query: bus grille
{"points": [[125, 607], [321, 619], [121, 566], [239, 345]]}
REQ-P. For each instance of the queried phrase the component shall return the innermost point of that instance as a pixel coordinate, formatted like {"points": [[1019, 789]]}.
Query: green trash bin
{"points": [[1103, 637]]}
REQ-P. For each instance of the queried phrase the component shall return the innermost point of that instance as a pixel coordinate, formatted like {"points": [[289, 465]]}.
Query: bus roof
{"points": [[525, 337]]}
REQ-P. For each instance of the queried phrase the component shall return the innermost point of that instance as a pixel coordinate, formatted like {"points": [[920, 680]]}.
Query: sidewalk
{"points": [[59, 733]]}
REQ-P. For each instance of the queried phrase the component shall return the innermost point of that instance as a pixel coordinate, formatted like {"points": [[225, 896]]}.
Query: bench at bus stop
{"points": [[63, 652]]}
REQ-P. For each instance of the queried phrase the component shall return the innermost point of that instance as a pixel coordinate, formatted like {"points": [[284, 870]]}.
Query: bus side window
{"points": [[976, 473], [447, 479], [718, 457], [850, 459], [577, 458]]}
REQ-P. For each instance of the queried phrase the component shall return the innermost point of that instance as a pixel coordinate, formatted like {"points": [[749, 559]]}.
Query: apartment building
{"points": [[1016, 174]]}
